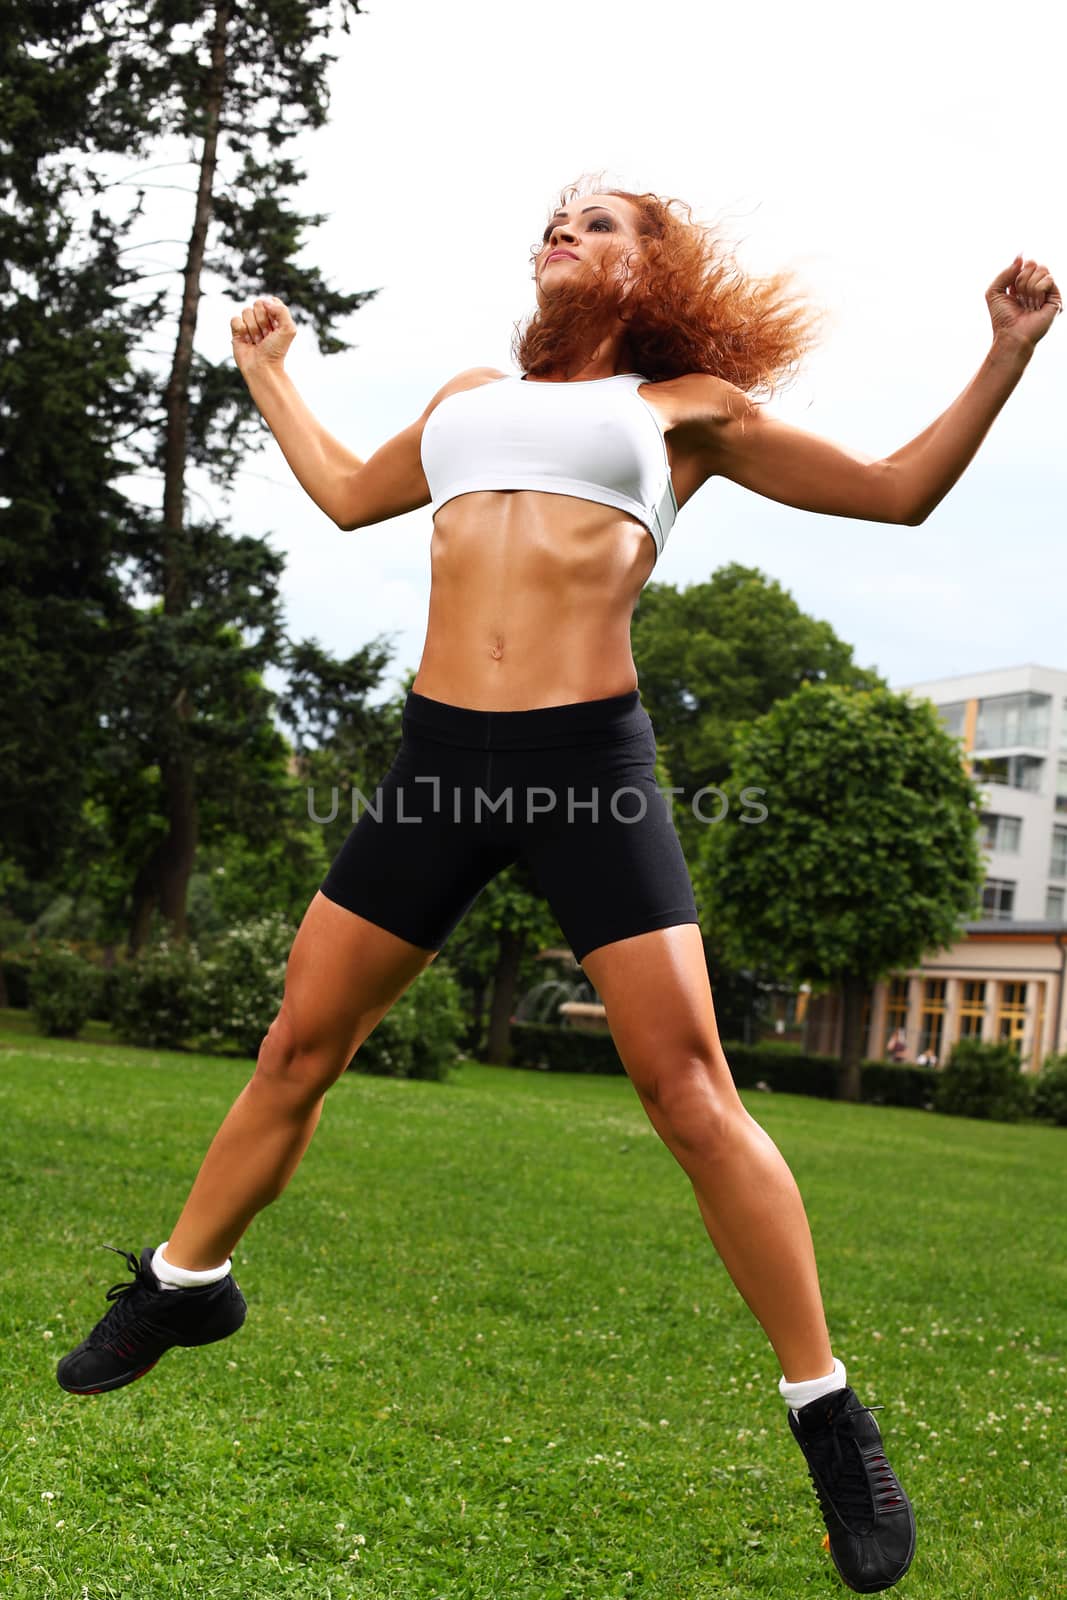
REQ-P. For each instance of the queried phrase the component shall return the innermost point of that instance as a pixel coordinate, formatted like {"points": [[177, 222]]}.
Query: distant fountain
{"points": [[542, 1002]]}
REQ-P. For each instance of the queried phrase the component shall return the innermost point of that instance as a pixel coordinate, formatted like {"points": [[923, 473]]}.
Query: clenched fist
{"points": [[261, 335], [1023, 302]]}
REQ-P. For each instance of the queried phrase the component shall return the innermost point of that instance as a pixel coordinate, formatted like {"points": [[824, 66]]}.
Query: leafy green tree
{"points": [[507, 924], [867, 856], [715, 655], [711, 657], [343, 745]]}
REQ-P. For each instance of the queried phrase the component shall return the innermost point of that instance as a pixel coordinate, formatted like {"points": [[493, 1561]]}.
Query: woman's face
{"points": [[592, 230]]}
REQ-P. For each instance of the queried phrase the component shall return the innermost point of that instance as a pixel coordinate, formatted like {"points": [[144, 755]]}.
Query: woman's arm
{"points": [[801, 469], [1023, 301], [321, 463], [261, 336], [926, 468]]}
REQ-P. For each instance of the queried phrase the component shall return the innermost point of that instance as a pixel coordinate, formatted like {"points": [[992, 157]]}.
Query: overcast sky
{"points": [[897, 158]]}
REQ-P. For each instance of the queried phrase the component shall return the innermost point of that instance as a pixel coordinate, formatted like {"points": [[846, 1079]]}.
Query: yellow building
{"points": [[1001, 982]]}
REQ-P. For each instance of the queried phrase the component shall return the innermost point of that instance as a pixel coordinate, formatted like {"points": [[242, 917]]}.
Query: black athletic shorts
{"points": [[570, 790]]}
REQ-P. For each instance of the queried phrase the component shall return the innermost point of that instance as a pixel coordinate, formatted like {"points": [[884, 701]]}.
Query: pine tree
{"points": [[183, 717]]}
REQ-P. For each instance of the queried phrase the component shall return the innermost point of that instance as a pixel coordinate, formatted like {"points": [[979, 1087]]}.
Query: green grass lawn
{"points": [[491, 1352]]}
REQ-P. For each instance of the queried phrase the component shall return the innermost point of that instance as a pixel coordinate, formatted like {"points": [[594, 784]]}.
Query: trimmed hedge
{"points": [[891, 1083], [552, 1049], [780, 1067]]}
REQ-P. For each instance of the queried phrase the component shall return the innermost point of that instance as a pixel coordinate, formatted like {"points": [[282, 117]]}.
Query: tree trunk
{"points": [[853, 990], [175, 862], [505, 982], [179, 847], [145, 896]]}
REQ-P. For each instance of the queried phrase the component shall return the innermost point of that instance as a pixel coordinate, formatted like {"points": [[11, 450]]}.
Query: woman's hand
{"points": [[261, 336], [1023, 300]]}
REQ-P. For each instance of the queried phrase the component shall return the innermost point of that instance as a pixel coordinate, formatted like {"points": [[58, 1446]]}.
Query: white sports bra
{"points": [[587, 438]]}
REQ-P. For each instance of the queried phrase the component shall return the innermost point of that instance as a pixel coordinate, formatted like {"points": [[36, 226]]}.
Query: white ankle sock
{"points": [[171, 1277], [808, 1389]]}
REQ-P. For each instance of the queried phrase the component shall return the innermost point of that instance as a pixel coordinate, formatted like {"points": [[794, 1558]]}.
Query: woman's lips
{"points": [[567, 253]]}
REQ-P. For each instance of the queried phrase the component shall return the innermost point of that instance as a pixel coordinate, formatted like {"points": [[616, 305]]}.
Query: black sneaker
{"points": [[869, 1517], [145, 1321]]}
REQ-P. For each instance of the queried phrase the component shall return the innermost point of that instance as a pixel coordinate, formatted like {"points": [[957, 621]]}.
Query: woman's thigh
{"points": [[656, 992], [343, 975]]}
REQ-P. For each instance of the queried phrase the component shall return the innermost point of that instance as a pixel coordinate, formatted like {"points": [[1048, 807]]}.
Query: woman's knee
{"points": [[694, 1105], [296, 1066]]}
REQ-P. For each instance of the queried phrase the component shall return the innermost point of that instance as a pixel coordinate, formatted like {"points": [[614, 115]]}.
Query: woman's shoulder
{"points": [[695, 405], [705, 392], [470, 377]]}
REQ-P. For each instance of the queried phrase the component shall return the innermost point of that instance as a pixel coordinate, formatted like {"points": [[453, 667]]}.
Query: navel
{"points": [[496, 649]]}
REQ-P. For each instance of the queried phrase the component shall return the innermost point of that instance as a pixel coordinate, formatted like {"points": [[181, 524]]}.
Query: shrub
{"points": [[244, 980], [983, 1080], [63, 988], [157, 997], [17, 972], [1050, 1091], [419, 1035]]}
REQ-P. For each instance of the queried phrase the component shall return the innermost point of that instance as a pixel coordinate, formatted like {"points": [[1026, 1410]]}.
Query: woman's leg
{"points": [[655, 989], [343, 975]]}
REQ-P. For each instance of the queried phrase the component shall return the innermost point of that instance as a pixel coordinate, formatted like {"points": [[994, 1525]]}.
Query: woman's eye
{"points": [[601, 221]]}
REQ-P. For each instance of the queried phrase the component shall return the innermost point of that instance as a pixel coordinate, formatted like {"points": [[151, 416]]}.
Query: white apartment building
{"points": [[1005, 979], [1013, 727]]}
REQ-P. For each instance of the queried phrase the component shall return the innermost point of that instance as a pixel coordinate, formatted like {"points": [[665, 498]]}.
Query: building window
{"points": [[972, 1009], [1001, 833], [1011, 1015], [952, 716], [1008, 720], [896, 1008], [1015, 772], [1061, 786], [1058, 863], [932, 1016], [1054, 901], [998, 898]]}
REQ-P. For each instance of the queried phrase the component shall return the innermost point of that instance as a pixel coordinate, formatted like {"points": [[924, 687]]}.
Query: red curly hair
{"points": [[691, 307]]}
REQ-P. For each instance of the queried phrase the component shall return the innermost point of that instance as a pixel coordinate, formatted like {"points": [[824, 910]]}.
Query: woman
{"points": [[524, 737]]}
